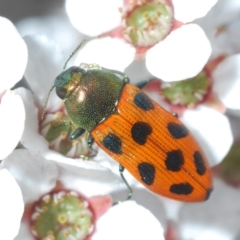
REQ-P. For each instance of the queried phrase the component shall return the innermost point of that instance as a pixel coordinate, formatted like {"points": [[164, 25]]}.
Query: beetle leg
{"points": [[76, 133], [121, 169], [90, 142], [143, 83]]}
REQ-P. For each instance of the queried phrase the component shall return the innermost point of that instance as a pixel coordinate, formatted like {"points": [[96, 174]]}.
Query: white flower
{"points": [[13, 60], [181, 54], [88, 179]]}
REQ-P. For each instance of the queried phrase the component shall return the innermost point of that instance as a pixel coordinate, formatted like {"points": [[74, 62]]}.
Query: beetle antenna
{"points": [[74, 52], [46, 102]]}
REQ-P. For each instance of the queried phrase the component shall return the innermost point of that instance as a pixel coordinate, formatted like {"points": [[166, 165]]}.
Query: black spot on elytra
{"points": [[177, 130], [174, 160], [209, 191], [143, 101], [147, 172], [199, 163], [181, 188], [113, 143], [140, 131]]}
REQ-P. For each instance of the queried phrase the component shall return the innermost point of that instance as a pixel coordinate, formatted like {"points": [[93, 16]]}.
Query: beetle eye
{"points": [[61, 92]]}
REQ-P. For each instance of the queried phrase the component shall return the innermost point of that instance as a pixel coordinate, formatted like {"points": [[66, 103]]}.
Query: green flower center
{"points": [[188, 92], [148, 23], [55, 128], [60, 216]]}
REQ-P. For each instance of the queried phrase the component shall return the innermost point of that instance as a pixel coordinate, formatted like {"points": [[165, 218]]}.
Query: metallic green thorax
{"points": [[90, 96]]}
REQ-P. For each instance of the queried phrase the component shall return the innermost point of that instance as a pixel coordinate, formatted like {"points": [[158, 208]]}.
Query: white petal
{"points": [[128, 221], [13, 55], [217, 218], [233, 35], [188, 10], [60, 159], [12, 117], [172, 208], [88, 178], [221, 25], [212, 130], [24, 232], [181, 55], [112, 53], [94, 17], [31, 138], [147, 199], [227, 81], [44, 64], [34, 174], [105, 160], [11, 206], [223, 13], [49, 26]]}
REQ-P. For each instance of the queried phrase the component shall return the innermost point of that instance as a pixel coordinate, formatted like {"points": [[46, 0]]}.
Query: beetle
{"points": [[147, 140]]}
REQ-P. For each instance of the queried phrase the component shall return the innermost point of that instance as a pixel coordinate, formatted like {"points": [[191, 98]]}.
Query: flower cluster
{"points": [[48, 191]]}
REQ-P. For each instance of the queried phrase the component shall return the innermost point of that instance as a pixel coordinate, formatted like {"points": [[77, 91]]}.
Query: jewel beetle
{"points": [[150, 142]]}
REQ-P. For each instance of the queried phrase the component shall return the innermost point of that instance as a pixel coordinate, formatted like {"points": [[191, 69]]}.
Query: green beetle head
{"points": [[67, 81]]}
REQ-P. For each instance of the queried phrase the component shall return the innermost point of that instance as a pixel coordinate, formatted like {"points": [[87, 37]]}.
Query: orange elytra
{"points": [[151, 143]]}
